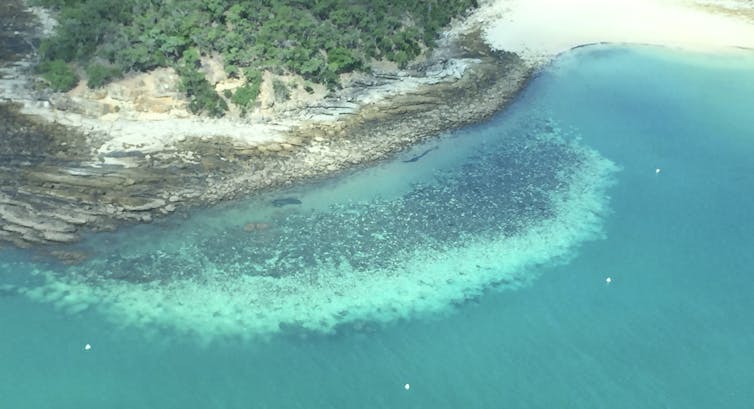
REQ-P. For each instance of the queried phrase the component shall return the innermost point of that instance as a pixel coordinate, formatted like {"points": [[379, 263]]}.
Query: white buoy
{"points": [[658, 170], [608, 280], [87, 347], [406, 386]]}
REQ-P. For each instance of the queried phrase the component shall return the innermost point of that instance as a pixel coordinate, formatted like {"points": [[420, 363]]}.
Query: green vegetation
{"points": [[202, 96], [58, 74], [318, 39], [246, 95], [99, 75]]}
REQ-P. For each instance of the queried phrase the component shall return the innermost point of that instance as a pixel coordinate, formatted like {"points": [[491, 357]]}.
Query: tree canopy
{"points": [[317, 39]]}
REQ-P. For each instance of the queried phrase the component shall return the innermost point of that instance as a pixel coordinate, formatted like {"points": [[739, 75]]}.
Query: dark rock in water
{"points": [[255, 226], [69, 257], [285, 201], [417, 157], [125, 154]]}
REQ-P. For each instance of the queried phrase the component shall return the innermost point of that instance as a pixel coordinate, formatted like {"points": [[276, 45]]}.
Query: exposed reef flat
{"points": [[528, 198]]}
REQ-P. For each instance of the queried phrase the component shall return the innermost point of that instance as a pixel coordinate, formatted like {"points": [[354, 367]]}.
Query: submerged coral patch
{"points": [[517, 202]]}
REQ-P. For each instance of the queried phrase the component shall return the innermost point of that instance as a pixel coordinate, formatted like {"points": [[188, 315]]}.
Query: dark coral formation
{"points": [[498, 192]]}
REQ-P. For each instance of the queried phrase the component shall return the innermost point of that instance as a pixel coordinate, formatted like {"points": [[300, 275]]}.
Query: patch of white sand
{"points": [[541, 29]]}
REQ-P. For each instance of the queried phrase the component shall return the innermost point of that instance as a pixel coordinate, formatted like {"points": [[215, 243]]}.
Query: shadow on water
{"points": [[421, 155]]}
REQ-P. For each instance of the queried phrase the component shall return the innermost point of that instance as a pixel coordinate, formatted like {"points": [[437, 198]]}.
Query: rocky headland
{"points": [[89, 160]]}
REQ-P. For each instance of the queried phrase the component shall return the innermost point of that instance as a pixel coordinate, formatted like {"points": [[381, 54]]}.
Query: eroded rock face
{"points": [[213, 69], [155, 92], [82, 106]]}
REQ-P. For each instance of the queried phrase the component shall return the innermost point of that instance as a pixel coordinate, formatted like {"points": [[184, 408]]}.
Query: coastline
{"points": [[129, 175], [138, 170]]}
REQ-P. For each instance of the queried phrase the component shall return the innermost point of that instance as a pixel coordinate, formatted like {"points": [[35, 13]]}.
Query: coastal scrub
{"points": [[316, 40], [58, 74]]}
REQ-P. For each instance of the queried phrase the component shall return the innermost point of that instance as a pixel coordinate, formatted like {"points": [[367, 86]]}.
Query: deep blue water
{"points": [[672, 330]]}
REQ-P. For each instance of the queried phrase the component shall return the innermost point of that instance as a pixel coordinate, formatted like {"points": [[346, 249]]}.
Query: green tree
{"points": [[342, 60], [202, 96], [317, 39]]}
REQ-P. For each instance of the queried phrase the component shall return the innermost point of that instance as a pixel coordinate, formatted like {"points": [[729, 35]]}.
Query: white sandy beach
{"points": [[540, 29]]}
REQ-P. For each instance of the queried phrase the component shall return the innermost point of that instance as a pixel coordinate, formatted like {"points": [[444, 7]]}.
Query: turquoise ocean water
{"points": [[673, 328]]}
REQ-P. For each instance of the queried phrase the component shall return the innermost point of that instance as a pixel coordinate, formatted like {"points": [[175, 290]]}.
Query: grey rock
{"points": [[23, 217], [145, 205], [59, 237]]}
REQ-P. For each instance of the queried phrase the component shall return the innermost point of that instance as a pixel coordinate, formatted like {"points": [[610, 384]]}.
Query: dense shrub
{"points": [[98, 75], [253, 76], [202, 96], [245, 96], [58, 74], [316, 39], [342, 60]]}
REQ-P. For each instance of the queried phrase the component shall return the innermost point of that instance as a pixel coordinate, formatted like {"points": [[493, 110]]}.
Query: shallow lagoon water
{"points": [[672, 329]]}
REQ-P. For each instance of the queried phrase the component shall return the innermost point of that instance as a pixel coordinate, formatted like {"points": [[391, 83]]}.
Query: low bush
{"points": [[58, 74], [245, 97], [202, 96], [99, 75]]}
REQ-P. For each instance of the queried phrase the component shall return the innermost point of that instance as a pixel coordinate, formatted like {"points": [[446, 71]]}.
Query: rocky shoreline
{"points": [[56, 185]]}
